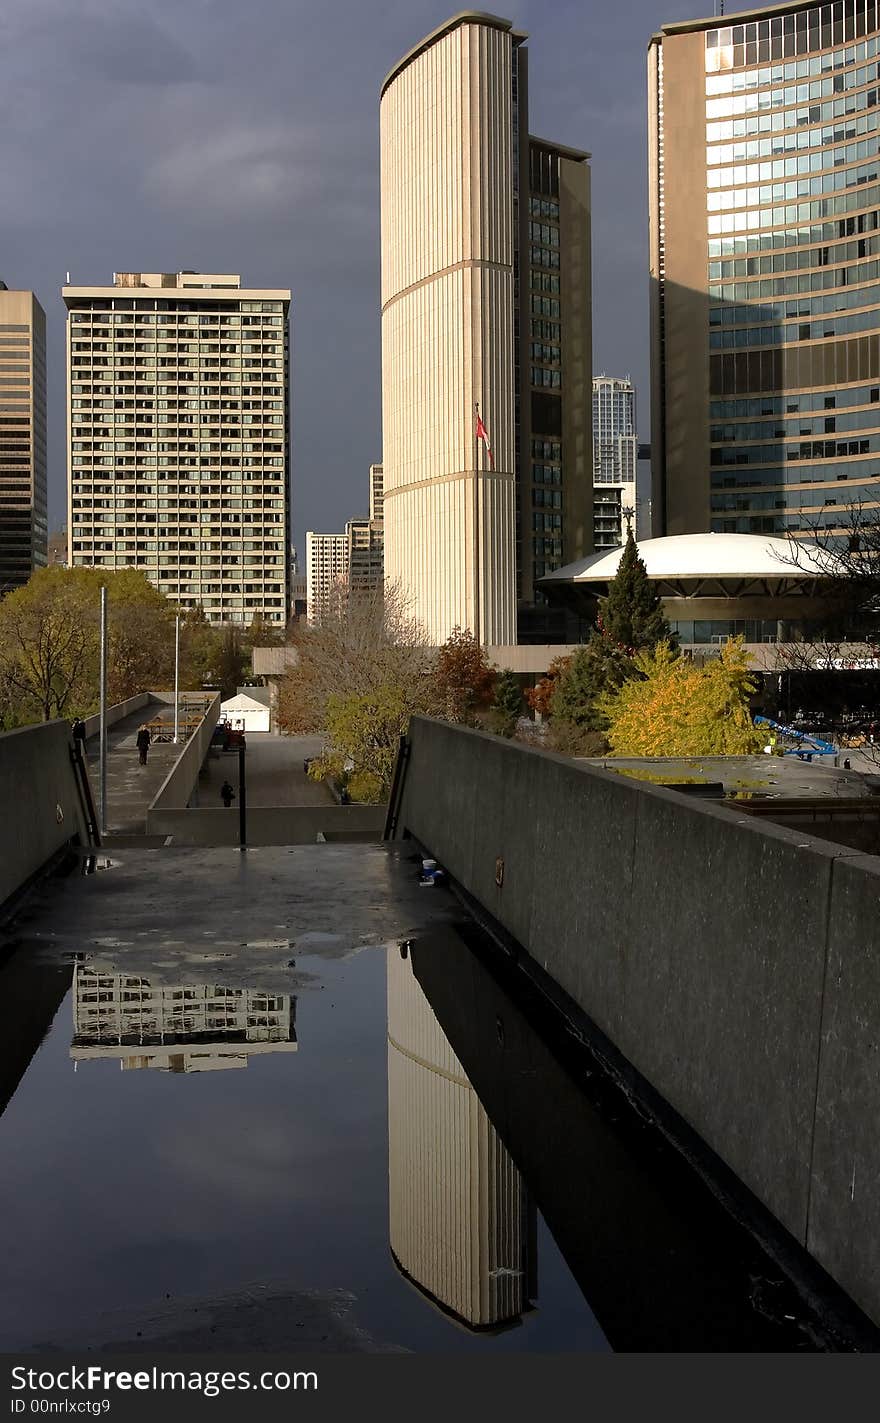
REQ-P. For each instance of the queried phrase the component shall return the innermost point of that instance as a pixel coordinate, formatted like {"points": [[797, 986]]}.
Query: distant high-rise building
{"points": [[485, 302], [178, 425], [377, 493], [364, 555], [764, 239], [366, 541], [615, 454], [57, 550], [326, 570], [350, 562], [23, 508]]}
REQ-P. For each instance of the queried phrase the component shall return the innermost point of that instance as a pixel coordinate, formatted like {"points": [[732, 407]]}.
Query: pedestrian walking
{"points": [[79, 731], [143, 744], [227, 794]]}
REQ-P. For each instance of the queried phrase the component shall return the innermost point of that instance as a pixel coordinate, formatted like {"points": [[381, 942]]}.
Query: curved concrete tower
{"points": [[449, 147]]}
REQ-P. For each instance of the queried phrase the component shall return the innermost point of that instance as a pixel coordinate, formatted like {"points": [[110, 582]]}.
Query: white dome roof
{"points": [[709, 556]]}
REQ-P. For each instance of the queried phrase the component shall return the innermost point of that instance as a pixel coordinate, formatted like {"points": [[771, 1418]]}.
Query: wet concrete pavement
{"points": [[275, 775], [240, 917]]}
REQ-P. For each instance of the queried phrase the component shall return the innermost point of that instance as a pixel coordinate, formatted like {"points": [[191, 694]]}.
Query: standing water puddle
{"points": [[374, 1160]]}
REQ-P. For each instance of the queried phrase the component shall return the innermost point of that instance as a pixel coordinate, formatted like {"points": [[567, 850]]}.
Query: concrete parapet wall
{"points": [[117, 713], [177, 787], [735, 964], [40, 801], [268, 825]]}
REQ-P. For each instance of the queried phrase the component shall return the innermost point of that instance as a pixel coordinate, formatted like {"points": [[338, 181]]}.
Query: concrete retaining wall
{"points": [[177, 787], [281, 825], [40, 801], [735, 964]]}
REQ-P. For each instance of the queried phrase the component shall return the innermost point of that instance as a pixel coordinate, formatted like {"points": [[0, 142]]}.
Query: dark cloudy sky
{"points": [[242, 136]]}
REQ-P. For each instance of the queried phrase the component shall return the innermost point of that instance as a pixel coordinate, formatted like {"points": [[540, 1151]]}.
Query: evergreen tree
{"points": [[631, 615], [597, 668], [507, 703]]}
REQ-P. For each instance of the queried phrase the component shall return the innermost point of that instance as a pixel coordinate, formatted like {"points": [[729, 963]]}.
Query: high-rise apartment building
{"points": [[23, 509], [326, 570], [764, 169], [615, 456], [178, 422], [485, 302]]}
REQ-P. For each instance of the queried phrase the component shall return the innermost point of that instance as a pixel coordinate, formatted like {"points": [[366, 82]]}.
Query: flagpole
{"points": [[477, 527]]}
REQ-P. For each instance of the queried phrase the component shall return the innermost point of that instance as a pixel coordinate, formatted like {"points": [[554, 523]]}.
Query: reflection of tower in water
{"points": [[461, 1225], [196, 1027]]}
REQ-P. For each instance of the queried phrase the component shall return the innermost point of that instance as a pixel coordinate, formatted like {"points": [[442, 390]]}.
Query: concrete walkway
{"points": [[275, 775], [131, 786]]}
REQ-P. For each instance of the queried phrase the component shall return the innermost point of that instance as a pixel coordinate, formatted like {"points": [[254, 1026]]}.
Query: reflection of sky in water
{"points": [[118, 1189]]}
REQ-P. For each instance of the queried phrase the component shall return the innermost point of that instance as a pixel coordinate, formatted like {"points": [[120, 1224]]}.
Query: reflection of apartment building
{"points": [[185, 1028], [23, 509], [615, 458], [178, 444], [460, 1219]]}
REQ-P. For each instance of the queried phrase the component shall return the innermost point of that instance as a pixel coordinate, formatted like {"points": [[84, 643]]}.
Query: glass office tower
{"points": [[765, 203]]}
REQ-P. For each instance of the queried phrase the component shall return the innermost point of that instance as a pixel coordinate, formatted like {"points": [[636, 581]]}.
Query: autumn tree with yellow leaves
{"points": [[677, 708]]}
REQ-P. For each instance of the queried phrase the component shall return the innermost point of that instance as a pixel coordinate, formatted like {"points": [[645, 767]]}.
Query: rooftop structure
{"points": [[714, 586]]}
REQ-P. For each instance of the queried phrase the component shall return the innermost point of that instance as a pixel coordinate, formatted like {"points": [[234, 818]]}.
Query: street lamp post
{"points": [[242, 796], [176, 677], [102, 726]]}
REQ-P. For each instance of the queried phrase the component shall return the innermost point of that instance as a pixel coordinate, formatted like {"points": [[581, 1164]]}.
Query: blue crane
{"points": [[807, 744]]}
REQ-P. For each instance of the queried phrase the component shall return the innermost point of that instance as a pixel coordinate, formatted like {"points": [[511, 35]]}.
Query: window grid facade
{"points": [[23, 507], [178, 439], [326, 570], [615, 453], [833, 78], [791, 205]]}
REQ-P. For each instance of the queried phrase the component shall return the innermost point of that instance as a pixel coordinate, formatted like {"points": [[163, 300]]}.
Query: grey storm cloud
{"points": [[232, 137]]}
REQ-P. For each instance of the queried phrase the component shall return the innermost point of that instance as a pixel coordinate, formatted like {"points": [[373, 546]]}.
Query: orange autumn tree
{"points": [[540, 696], [676, 708]]}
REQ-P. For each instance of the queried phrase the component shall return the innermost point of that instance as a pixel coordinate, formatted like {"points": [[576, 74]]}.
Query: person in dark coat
{"points": [[79, 731], [143, 744], [227, 794]]}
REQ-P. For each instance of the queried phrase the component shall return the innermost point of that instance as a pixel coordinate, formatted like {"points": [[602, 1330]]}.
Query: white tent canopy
{"points": [[245, 713]]}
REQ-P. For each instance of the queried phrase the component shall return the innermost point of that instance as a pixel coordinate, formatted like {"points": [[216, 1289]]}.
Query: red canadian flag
{"points": [[483, 434]]}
